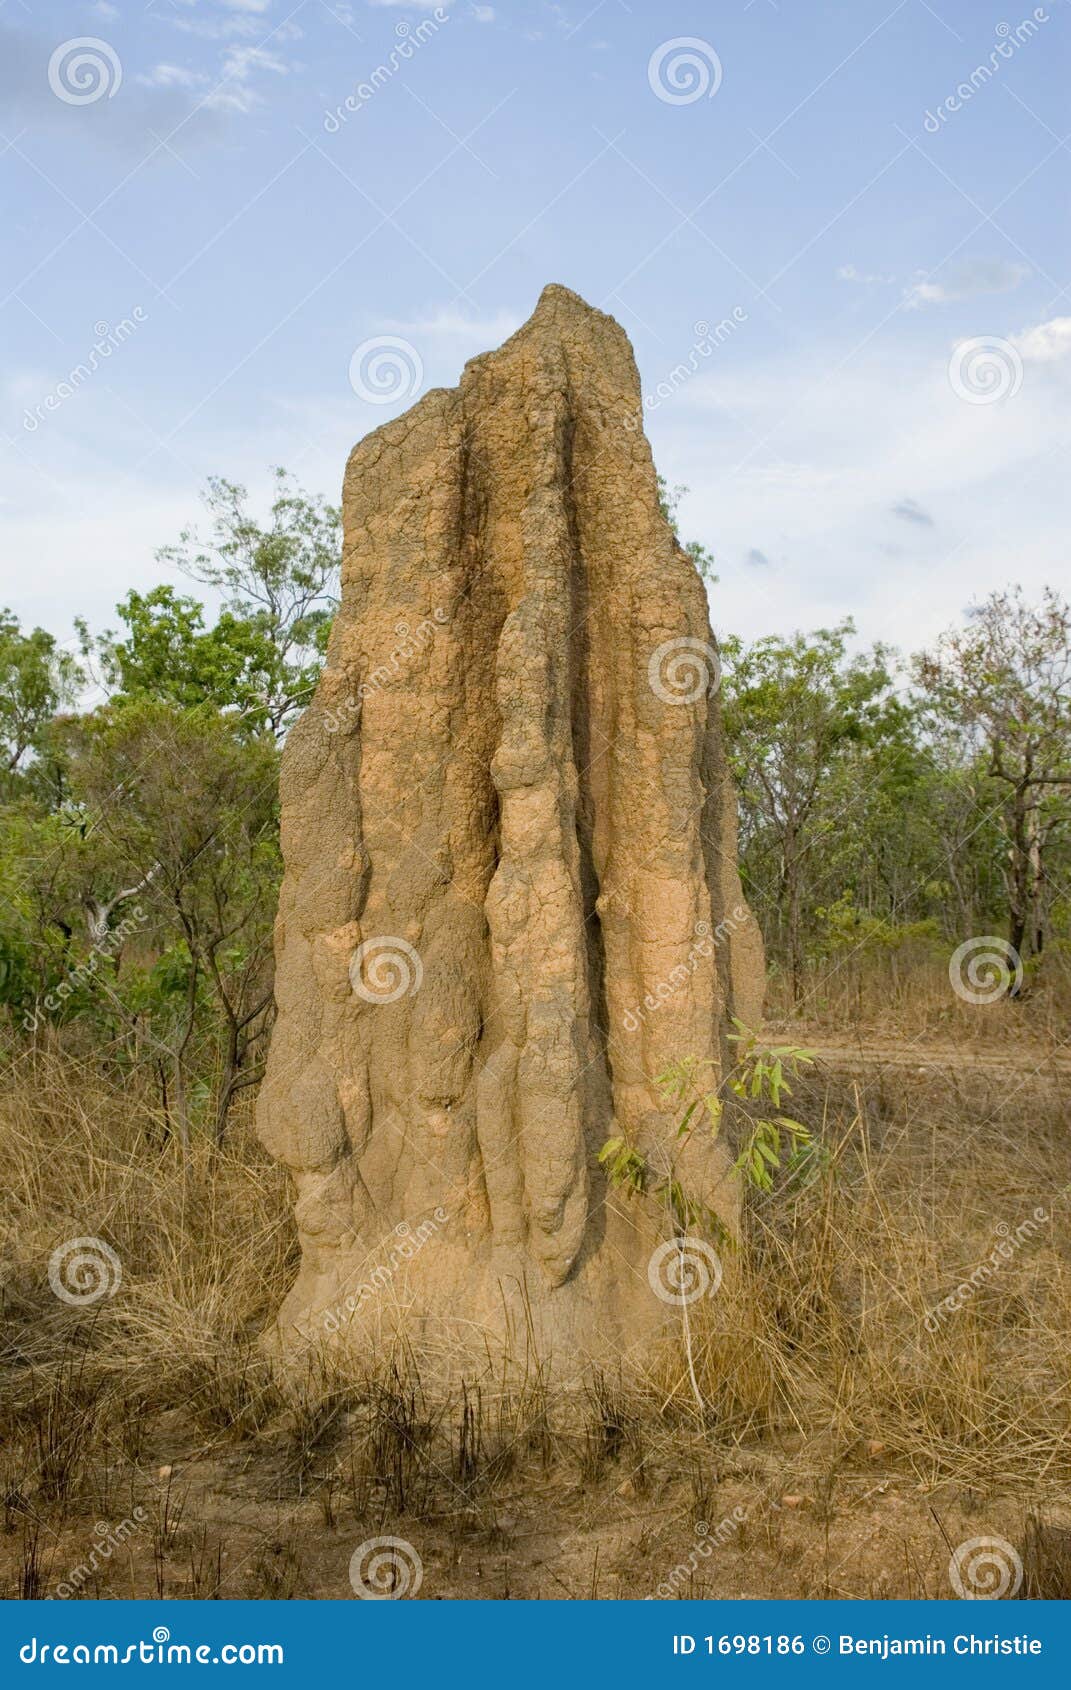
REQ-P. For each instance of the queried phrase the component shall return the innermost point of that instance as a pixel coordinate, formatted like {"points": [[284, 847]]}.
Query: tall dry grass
{"points": [[204, 1241], [821, 1346], [837, 1324]]}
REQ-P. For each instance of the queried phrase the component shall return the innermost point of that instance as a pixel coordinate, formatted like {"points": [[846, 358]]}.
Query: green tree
{"points": [[1003, 684], [278, 582], [794, 709], [168, 653], [36, 678], [281, 577], [181, 806]]}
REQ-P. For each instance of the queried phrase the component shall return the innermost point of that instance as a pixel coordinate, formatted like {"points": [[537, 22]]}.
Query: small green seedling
{"points": [[758, 1076]]}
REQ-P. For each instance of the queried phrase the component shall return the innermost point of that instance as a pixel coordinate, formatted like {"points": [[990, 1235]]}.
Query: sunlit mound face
{"points": [[496, 855]]}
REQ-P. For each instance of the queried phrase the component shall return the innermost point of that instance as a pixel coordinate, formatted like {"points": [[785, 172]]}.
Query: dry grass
{"points": [[837, 1328], [844, 1438], [905, 992], [204, 1244]]}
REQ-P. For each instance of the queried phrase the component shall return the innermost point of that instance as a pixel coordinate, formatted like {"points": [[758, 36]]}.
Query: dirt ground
{"points": [[746, 1523]]}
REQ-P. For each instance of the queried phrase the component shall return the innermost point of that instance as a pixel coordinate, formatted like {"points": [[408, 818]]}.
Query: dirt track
{"points": [[929, 1056]]}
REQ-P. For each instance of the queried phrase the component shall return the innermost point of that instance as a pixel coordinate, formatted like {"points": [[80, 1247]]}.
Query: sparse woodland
{"points": [[894, 809]]}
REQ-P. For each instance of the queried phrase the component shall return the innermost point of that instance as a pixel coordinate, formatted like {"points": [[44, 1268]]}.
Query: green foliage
{"points": [[45, 876], [36, 679], [141, 908], [262, 656], [169, 654], [139, 842], [758, 1078], [1002, 685], [869, 821], [799, 712], [624, 1166], [873, 819], [842, 927], [280, 578]]}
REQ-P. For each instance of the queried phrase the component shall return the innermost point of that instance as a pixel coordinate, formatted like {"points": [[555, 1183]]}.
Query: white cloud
{"points": [[172, 76], [822, 446], [1047, 343], [975, 277], [926, 293], [236, 24], [240, 65], [241, 62], [230, 86], [969, 281], [453, 329], [849, 273]]}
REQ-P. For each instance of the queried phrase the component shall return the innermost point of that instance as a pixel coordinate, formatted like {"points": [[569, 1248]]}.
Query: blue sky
{"points": [[878, 428]]}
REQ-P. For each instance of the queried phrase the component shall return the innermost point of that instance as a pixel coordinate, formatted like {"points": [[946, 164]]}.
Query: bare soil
{"points": [[761, 1522]]}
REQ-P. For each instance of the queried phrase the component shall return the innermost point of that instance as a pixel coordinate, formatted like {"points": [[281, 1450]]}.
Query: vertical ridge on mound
{"points": [[511, 891]]}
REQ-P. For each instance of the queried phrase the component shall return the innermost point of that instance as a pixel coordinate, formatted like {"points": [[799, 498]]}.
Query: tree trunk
{"points": [[182, 1110], [231, 1064], [792, 894], [1019, 877], [1033, 890]]}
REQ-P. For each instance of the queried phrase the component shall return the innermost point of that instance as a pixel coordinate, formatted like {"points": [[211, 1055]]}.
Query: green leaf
{"points": [[689, 1112]]}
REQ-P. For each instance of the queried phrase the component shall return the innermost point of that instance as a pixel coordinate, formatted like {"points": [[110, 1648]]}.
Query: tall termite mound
{"points": [[511, 891]]}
